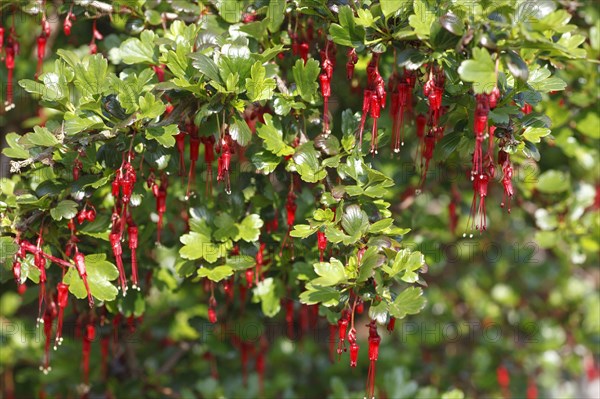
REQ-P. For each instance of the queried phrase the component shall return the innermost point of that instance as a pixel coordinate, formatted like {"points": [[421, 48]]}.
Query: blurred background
{"points": [[511, 313]]}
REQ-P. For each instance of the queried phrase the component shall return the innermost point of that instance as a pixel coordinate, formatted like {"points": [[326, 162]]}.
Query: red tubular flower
{"points": [[161, 204], [352, 61], [532, 390], [212, 315], [326, 93], [427, 154], [290, 207], [88, 338], [507, 174], [180, 143], [80, 266], [477, 216], [1, 39], [117, 249], [375, 112], [40, 262], [303, 50], [289, 317], [132, 235], [480, 127], [360, 306], [249, 277], [502, 377], [260, 369], [260, 261], [321, 244], [17, 271], [49, 316], [353, 347], [374, 341], [96, 35], [526, 109], [224, 163], [159, 70], [332, 341], [367, 96], [63, 300], [391, 324], [41, 53], [12, 49], [68, 23], [127, 182], [209, 158], [493, 97], [342, 328], [194, 155]]}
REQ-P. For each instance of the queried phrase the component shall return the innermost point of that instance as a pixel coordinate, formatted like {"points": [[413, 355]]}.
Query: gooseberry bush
{"points": [[198, 169]]}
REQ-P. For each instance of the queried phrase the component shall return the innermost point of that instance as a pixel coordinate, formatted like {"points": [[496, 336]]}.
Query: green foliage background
{"points": [[523, 295]]}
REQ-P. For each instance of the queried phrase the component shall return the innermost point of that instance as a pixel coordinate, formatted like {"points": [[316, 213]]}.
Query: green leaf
{"points": [[326, 296], [206, 65], [265, 161], [230, 10], [370, 260], [42, 137], [136, 51], [100, 273], [215, 274], [163, 134], [452, 23], [8, 248], [15, 150], [389, 7], [302, 231], [411, 59], [240, 131], [78, 123], [480, 70], [409, 301], [52, 88], [347, 33], [226, 227], [323, 215], [199, 246], [241, 262], [422, 19], [381, 225], [355, 223], [276, 14], [407, 262], [91, 75], [265, 293], [133, 304], [534, 134], [64, 209], [553, 182], [29, 270], [447, 145], [150, 106], [330, 273], [307, 163], [249, 228], [273, 137], [305, 76], [379, 312], [257, 86], [541, 80]]}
